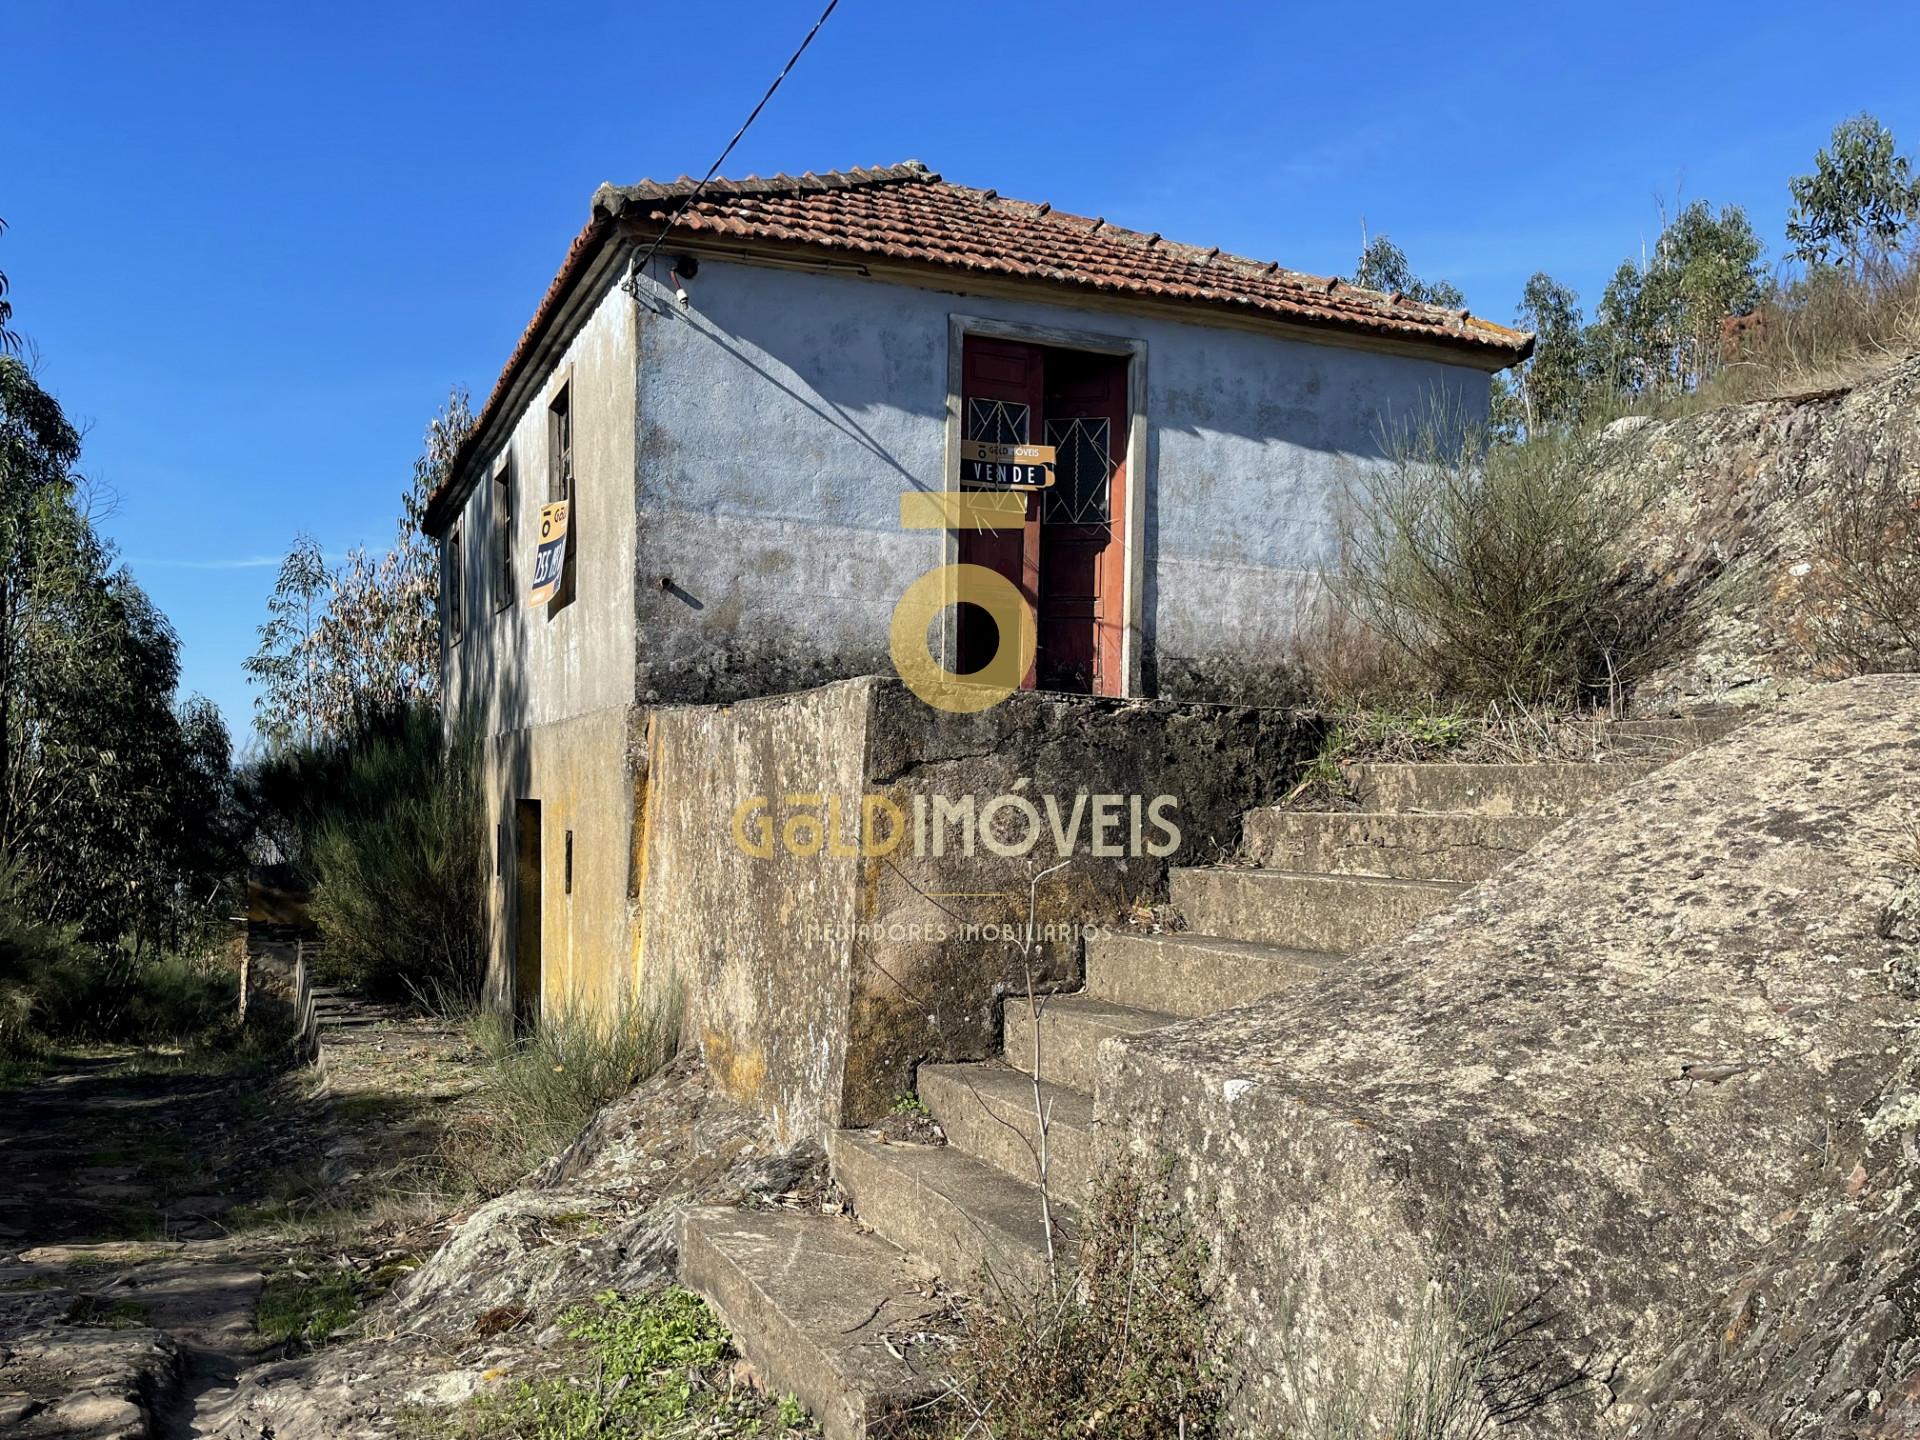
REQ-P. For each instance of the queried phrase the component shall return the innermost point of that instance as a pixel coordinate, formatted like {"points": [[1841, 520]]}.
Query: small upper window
{"points": [[560, 445], [453, 590], [503, 533], [560, 484]]}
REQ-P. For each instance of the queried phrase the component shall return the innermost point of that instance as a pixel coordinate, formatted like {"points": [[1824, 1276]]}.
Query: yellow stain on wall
{"points": [[741, 1073]]}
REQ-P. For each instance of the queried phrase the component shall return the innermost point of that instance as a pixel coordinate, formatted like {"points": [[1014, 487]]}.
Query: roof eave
{"points": [[1487, 352], [582, 255]]}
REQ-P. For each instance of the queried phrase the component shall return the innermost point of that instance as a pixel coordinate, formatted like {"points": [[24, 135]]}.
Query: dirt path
{"points": [[147, 1198]]}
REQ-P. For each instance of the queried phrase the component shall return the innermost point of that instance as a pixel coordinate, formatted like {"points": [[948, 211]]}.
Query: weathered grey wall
{"points": [[550, 690], [815, 983], [784, 412]]}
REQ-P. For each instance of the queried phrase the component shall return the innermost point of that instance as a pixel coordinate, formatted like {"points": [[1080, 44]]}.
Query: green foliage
{"points": [[113, 994], [543, 1087], [658, 1366], [1383, 266], [97, 1311], [342, 647], [1130, 1349], [32, 952], [398, 854], [1860, 201], [287, 708], [308, 1301], [1550, 390], [9, 338], [1505, 572], [1664, 336], [1658, 330], [114, 804]]}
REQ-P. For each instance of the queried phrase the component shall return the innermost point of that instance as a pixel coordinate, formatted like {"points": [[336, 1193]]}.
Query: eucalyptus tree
{"points": [[113, 808], [345, 645], [1383, 266], [1860, 202]]}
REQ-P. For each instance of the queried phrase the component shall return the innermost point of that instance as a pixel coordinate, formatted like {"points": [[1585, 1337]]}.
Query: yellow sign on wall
{"points": [[550, 563]]}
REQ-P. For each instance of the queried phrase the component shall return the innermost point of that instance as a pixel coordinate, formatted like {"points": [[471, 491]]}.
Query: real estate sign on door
{"points": [[1006, 467]]}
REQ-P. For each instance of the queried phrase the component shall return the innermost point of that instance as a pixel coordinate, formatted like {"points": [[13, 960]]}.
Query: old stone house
{"points": [[741, 425]]}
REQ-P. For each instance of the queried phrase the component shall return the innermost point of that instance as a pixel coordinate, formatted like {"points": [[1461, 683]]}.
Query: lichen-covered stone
{"points": [[1744, 492], [1604, 1133]]}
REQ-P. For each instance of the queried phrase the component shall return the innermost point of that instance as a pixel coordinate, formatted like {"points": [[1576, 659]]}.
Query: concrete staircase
{"points": [[1315, 889]]}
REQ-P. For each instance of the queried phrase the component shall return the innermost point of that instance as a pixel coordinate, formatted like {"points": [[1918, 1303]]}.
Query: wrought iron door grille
{"points": [[999, 422], [1083, 468]]}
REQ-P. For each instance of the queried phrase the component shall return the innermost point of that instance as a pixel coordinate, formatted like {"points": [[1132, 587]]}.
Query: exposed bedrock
{"points": [[1627, 1132]]}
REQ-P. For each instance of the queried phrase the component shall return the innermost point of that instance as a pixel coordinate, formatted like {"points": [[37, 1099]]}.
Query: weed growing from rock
{"points": [[1867, 550]]}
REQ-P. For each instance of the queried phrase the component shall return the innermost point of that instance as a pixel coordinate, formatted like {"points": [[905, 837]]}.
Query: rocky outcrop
{"points": [[1746, 492], [1621, 1143]]}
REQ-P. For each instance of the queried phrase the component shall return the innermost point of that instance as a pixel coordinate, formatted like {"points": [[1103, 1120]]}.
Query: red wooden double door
{"points": [[1068, 559]]}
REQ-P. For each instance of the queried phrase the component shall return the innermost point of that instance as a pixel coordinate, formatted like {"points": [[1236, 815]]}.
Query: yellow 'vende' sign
{"points": [[551, 560]]}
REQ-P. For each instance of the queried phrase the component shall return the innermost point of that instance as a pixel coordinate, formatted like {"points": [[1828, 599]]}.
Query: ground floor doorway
{"points": [[526, 913]]}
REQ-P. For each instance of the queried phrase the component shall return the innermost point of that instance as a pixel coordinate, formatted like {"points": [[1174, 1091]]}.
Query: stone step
{"points": [[1405, 847], [1340, 913], [813, 1302], [1188, 974], [1669, 738], [1071, 1030], [975, 1226], [1536, 788], [988, 1112]]}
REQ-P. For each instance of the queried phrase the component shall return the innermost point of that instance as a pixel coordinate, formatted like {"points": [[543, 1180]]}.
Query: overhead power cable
{"points": [[714, 168]]}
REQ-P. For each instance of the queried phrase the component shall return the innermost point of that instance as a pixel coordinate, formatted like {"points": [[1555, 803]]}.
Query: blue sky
{"points": [[255, 244]]}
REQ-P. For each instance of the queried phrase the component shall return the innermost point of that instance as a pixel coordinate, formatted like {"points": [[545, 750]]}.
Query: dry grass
{"points": [[1867, 550], [1827, 330], [541, 1089], [1125, 1345]]}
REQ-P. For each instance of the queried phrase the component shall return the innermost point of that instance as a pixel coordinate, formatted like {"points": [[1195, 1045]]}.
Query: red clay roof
{"points": [[907, 214]]}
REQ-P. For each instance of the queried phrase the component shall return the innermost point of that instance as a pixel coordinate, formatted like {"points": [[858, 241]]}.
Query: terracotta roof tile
{"points": [[906, 213]]}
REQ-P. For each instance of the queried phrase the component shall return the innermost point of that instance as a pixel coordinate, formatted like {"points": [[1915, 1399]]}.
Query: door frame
{"points": [[1132, 532]]}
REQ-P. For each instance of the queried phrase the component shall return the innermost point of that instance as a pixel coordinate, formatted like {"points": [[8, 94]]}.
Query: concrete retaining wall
{"points": [[816, 982]]}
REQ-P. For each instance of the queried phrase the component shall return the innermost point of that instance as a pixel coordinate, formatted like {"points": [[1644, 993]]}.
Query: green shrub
{"points": [[108, 993], [30, 954], [1506, 573], [1128, 1349], [399, 854], [543, 1088], [53, 986]]}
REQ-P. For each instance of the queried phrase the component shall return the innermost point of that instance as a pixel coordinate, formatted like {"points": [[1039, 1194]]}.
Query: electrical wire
{"points": [[714, 168]]}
